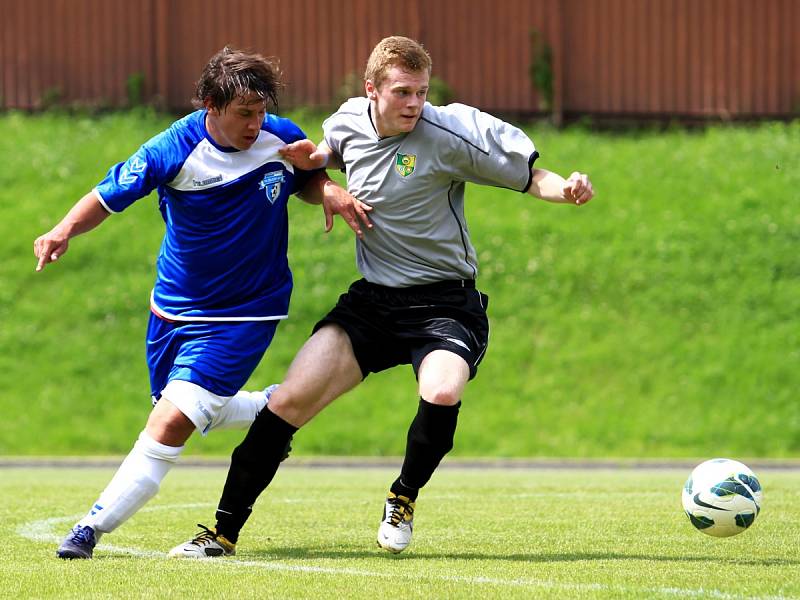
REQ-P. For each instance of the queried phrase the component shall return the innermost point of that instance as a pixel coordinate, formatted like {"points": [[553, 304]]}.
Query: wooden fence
{"points": [[693, 58]]}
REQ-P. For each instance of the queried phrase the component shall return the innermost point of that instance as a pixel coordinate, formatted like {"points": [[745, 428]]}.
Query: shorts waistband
{"points": [[436, 286]]}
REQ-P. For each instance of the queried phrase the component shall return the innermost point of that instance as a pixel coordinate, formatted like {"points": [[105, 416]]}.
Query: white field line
{"points": [[44, 531]]}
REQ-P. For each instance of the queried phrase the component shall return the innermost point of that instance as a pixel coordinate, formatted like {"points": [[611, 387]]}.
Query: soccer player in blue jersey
{"points": [[223, 280], [418, 302]]}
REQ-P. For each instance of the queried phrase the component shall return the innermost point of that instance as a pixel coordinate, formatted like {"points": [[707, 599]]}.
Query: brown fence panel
{"points": [[73, 50], [318, 43], [700, 58], [482, 49], [718, 58]]}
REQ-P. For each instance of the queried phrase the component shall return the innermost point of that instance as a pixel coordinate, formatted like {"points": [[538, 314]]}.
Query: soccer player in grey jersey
{"points": [[415, 183], [417, 302]]}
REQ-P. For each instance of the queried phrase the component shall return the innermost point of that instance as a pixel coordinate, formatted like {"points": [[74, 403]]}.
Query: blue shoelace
{"points": [[83, 535]]}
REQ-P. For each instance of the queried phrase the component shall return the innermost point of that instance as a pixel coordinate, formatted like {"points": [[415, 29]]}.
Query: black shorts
{"points": [[399, 326]]}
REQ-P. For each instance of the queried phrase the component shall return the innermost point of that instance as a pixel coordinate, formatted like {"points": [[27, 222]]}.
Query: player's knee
{"points": [[168, 425], [294, 403], [441, 396], [284, 399], [170, 433]]}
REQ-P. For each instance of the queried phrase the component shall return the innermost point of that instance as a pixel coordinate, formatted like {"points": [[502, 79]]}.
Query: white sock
{"points": [[135, 482], [241, 410]]}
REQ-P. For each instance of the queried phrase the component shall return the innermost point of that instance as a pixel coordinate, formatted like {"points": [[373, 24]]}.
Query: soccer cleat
{"points": [[394, 534], [206, 544], [79, 543]]}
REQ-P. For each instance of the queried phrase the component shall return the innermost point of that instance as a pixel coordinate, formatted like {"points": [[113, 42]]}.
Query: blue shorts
{"points": [[218, 356]]}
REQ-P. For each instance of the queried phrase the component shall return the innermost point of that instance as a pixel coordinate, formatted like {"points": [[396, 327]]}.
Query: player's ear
{"points": [[208, 104], [372, 91]]}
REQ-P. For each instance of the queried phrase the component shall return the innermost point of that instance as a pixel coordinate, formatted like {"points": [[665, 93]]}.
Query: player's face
{"points": [[397, 103], [237, 125]]}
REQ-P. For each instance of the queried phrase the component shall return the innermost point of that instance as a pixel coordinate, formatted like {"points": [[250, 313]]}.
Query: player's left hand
{"points": [[578, 189], [304, 154], [338, 201]]}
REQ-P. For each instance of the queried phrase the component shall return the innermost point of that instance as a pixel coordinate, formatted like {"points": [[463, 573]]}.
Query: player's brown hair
{"points": [[396, 51], [232, 73]]}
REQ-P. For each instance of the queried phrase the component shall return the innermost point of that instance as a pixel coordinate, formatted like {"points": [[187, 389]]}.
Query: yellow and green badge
{"points": [[405, 164]]}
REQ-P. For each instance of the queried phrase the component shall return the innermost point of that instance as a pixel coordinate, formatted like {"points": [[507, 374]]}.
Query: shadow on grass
{"points": [[302, 553]]}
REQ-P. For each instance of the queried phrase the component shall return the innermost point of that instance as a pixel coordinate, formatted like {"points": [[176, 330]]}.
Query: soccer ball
{"points": [[722, 497]]}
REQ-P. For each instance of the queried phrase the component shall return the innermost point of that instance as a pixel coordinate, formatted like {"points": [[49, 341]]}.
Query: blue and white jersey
{"points": [[223, 257]]}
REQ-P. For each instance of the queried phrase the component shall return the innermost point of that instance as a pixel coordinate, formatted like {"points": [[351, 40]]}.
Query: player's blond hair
{"points": [[396, 51]]}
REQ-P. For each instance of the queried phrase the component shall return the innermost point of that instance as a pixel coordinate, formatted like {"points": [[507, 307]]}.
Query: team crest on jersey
{"points": [[271, 184], [405, 163]]}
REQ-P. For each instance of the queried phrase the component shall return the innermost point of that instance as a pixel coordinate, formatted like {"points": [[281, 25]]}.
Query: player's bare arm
{"points": [[576, 189], [305, 154], [87, 214], [336, 200]]}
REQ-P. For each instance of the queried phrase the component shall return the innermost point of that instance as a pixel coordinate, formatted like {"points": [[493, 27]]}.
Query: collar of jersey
{"points": [[375, 129]]}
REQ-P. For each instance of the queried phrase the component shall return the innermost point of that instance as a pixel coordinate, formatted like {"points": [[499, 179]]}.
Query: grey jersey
{"points": [[415, 184]]}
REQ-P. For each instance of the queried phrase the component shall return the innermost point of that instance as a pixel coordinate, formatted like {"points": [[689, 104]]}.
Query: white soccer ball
{"points": [[722, 497]]}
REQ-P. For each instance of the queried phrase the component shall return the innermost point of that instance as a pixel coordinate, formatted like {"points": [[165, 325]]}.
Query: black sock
{"points": [[254, 463], [430, 437], [400, 489]]}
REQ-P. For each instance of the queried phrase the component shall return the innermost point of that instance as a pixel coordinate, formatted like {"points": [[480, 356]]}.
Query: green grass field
{"points": [[488, 533], [661, 320]]}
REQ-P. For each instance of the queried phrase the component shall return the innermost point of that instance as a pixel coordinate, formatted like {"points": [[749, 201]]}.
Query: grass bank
{"points": [[661, 320]]}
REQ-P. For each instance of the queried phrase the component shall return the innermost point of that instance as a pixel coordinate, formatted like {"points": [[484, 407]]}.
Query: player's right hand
{"points": [[49, 247]]}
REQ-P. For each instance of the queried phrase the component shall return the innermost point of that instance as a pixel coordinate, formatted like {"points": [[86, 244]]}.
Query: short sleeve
{"points": [[339, 125], [491, 151], [332, 134], [150, 166]]}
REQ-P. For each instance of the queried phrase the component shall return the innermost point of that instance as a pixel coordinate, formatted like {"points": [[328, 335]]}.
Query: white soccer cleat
{"points": [[394, 534], [206, 544]]}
